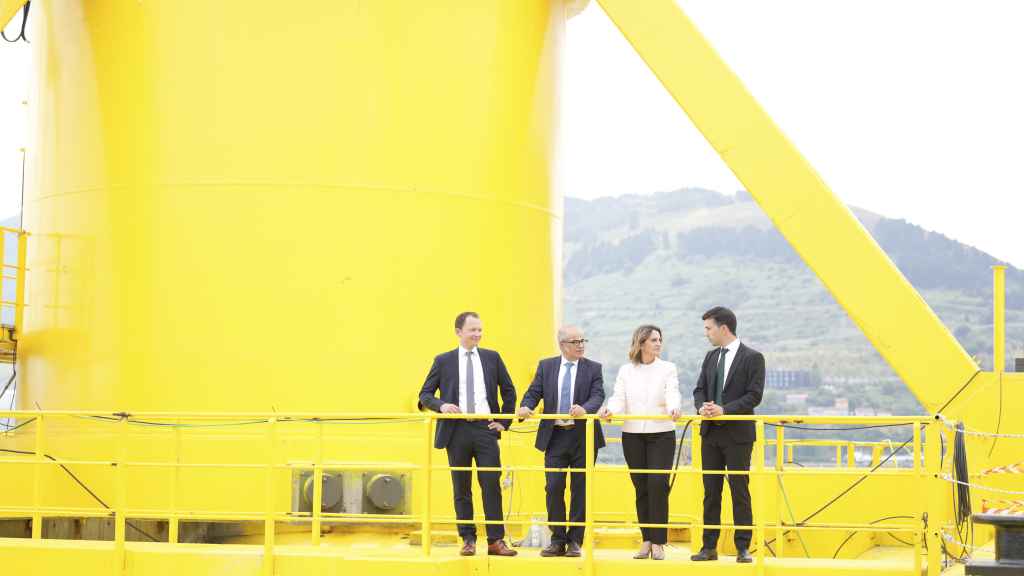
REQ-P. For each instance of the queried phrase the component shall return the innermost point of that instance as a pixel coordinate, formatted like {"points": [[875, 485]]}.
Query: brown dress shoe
{"points": [[553, 549], [500, 549], [572, 550], [468, 548]]}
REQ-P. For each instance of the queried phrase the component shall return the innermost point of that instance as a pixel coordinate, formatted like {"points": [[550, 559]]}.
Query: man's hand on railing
{"points": [[576, 411], [711, 410], [450, 409], [524, 412], [496, 426]]}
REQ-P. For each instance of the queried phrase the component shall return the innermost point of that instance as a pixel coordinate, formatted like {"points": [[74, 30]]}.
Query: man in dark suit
{"points": [[471, 380], [731, 381], [573, 385]]}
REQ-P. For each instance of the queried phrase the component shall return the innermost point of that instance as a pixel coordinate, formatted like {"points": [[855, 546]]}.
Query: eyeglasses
{"points": [[579, 342]]}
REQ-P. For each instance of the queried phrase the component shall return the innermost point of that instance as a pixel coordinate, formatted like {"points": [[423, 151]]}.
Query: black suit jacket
{"points": [[588, 393], [444, 375], [744, 386]]}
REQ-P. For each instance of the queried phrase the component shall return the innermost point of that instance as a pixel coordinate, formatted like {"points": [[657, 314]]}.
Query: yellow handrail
{"points": [[927, 473]]}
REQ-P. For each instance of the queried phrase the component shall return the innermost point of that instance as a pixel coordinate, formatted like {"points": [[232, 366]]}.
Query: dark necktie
{"points": [[565, 395], [470, 384], [720, 376]]}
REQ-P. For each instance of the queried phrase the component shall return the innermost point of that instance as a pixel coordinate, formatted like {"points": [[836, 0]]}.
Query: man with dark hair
{"points": [[731, 381], [572, 385], [471, 380]]}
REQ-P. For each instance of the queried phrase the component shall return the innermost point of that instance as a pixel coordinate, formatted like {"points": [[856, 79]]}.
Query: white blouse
{"points": [[646, 389]]}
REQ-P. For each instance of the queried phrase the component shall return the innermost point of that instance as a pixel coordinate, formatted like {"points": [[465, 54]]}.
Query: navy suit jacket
{"points": [[744, 387], [589, 394], [444, 375]]}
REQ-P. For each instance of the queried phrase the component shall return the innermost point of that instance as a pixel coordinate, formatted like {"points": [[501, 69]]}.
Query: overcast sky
{"points": [[912, 109]]}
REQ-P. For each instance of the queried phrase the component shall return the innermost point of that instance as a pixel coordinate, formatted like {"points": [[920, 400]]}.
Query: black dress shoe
{"points": [[553, 549], [704, 555], [743, 556], [572, 550]]}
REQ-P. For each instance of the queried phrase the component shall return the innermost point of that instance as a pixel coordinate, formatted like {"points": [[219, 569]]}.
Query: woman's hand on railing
{"points": [[450, 409], [675, 413], [604, 414]]}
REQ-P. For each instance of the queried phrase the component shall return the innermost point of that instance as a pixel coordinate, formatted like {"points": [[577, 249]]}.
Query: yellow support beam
{"points": [[588, 535], [822, 230]]}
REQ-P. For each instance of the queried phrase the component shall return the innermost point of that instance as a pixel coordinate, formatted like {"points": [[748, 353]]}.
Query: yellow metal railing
{"points": [[925, 450], [845, 457]]}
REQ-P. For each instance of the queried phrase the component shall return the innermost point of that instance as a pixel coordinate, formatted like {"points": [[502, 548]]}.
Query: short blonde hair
{"points": [[640, 336]]}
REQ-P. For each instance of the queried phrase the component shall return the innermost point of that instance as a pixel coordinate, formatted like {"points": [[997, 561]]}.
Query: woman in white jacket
{"points": [[648, 385]]}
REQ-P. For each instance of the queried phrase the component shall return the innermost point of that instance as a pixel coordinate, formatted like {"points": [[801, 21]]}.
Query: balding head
{"points": [[571, 342]]}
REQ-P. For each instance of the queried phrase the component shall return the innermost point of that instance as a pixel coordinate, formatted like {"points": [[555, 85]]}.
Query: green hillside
{"points": [[665, 258]]}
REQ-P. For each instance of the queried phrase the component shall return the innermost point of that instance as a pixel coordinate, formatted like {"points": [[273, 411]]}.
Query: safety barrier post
{"points": [[318, 483], [121, 501], [269, 524], [588, 538], [37, 478], [780, 456], [697, 533], [426, 537], [759, 479], [921, 495], [936, 501], [173, 522]]}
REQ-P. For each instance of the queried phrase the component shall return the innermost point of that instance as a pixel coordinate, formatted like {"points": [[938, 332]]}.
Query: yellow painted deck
{"points": [[381, 554]]}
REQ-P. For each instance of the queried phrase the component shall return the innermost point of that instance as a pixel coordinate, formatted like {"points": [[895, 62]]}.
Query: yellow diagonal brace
{"points": [[8, 8], [820, 228]]}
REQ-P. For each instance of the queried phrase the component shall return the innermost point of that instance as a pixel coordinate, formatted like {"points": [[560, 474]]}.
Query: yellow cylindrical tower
{"points": [[248, 206]]}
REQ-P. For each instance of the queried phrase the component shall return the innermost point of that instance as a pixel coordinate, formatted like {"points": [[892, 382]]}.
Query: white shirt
{"points": [[572, 388], [732, 348], [480, 405], [646, 389]]}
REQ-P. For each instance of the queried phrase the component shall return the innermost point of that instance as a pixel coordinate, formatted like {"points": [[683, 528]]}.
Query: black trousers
{"points": [[567, 449], [473, 440], [650, 451], [718, 451]]}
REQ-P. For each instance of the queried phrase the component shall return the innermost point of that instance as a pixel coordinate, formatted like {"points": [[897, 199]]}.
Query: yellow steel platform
{"points": [[377, 554]]}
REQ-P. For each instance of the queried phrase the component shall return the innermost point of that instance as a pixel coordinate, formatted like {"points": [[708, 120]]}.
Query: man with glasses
{"points": [[572, 385]]}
